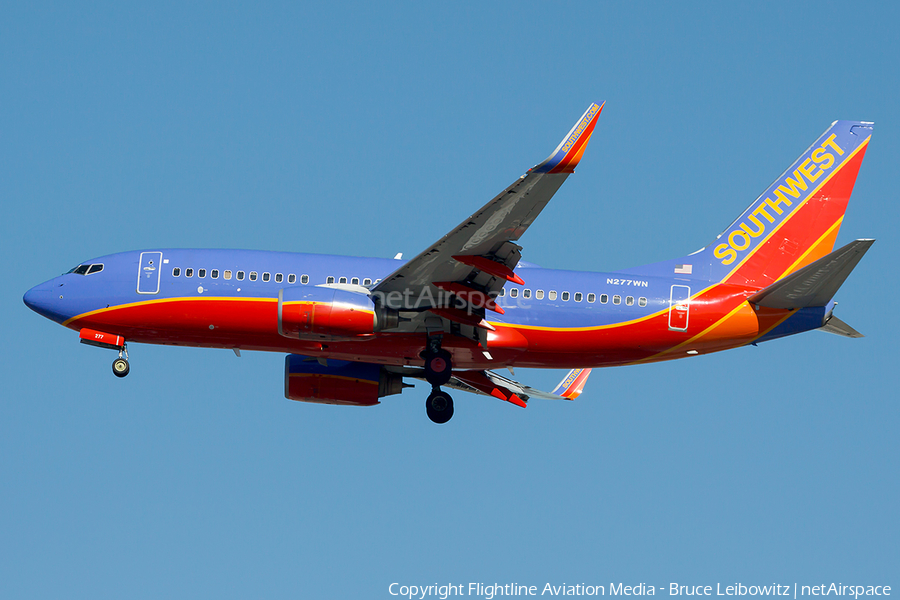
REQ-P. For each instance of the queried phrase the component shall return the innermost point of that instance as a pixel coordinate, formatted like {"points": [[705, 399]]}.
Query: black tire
{"points": [[120, 367], [438, 367], [439, 406]]}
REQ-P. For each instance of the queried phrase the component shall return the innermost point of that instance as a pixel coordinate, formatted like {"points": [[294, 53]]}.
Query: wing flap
{"points": [[481, 381]]}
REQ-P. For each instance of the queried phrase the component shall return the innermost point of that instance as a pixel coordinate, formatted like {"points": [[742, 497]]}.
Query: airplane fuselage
{"points": [[557, 319]]}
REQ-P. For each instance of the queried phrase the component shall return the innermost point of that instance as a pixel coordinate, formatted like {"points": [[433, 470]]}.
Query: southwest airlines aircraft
{"points": [[354, 328]]}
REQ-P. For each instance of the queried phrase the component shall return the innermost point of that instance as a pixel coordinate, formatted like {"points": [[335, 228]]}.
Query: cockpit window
{"points": [[85, 269]]}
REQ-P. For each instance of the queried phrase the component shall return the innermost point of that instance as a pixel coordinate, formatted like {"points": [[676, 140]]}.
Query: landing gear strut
{"points": [[438, 370], [438, 365], [120, 366]]}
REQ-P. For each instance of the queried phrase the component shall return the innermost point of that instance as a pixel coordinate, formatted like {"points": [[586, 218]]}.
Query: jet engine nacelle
{"points": [[317, 311], [340, 382]]}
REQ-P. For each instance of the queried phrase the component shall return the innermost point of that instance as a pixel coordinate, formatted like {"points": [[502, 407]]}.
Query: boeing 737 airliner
{"points": [[354, 328]]}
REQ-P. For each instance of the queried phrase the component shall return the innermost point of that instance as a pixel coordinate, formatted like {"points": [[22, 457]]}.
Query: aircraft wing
{"points": [[475, 260], [488, 383]]}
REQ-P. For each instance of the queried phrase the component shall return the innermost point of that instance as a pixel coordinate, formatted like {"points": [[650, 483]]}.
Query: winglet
{"points": [[572, 384], [566, 156]]}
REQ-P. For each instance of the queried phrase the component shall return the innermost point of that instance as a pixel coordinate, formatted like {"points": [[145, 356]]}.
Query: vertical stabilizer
{"points": [[796, 220]]}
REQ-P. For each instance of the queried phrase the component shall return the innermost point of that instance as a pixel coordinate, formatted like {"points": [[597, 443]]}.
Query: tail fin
{"points": [[796, 220]]}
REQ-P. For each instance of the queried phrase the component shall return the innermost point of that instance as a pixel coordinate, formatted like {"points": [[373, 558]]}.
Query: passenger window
{"points": [[539, 294], [604, 298], [578, 296], [95, 269], [502, 292], [355, 281], [565, 296], [81, 269], [201, 273], [629, 301], [552, 295], [240, 275], [514, 293], [252, 275], [188, 272], [342, 280], [304, 279], [526, 293], [215, 274], [176, 272], [617, 299], [330, 279], [266, 276], [642, 301], [279, 277], [292, 278], [227, 275], [367, 281], [592, 297]]}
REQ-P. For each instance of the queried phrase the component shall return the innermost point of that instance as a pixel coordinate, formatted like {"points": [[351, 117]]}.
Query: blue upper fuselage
{"points": [[550, 298]]}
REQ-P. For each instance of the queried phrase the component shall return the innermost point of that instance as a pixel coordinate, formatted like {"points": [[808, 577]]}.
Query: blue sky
{"points": [[370, 130]]}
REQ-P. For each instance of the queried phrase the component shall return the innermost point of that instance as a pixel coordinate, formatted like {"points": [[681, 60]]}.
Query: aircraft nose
{"points": [[40, 299], [37, 297]]}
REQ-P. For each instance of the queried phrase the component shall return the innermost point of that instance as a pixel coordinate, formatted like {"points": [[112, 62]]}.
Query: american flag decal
{"points": [[683, 269]]}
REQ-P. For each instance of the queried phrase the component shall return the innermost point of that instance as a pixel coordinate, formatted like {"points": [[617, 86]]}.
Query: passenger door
{"points": [[679, 307], [149, 269]]}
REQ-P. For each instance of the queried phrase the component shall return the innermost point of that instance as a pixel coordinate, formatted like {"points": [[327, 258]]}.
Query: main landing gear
{"points": [[439, 405], [120, 366], [438, 370]]}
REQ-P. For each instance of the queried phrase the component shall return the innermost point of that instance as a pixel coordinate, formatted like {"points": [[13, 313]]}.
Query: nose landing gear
{"points": [[120, 366], [112, 341]]}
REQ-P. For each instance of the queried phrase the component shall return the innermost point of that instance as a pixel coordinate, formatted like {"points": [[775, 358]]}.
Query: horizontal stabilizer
{"points": [[838, 327], [816, 283]]}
